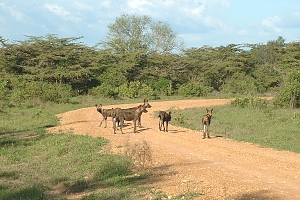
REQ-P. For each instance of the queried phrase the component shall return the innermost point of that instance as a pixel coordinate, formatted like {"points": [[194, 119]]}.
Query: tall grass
{"points": [[266, 126]]}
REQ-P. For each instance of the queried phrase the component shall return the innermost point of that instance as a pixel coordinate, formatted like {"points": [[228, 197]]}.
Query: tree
{"points": [[131, 33]]}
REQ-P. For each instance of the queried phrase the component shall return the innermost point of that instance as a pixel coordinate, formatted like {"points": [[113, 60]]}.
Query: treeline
{"points": [[54, 69]]}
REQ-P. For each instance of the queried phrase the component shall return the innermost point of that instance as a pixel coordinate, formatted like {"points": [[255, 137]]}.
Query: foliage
{"points": [[104, 90], [194, 90], [132, 33], [136, 90], [240, 84], [162, 86], [249, 103], [289, 95], [145, 58]]}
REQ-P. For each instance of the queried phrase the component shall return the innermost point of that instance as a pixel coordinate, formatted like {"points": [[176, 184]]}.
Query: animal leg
{"points": [[204, 131], [160, 122], [134, 126], [140, 122], [163, 123], [167, 124], [114, 124]]}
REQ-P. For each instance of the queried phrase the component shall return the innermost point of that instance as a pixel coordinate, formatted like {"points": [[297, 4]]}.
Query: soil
{"points": [[184, 163]]}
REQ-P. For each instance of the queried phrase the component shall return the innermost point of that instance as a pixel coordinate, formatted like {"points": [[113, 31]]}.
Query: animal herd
{"points": [[119, 116]]}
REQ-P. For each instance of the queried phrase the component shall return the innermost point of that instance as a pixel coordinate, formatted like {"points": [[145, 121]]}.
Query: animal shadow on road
{"points": [[176, 131]]}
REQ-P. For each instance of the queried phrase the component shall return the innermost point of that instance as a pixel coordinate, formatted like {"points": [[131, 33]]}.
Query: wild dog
{"points": [[145, 104], [163, 117], [108, 112], [105, 113], [121, 115], [206, 120]]}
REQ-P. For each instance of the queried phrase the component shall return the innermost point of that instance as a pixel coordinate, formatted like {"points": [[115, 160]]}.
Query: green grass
{"points": [[33, 163], [268, 127]]}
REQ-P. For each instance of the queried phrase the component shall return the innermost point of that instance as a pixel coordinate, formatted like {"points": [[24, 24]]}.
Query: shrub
{"points": [[58, 93], [194, 90], [162, 86], [240, 84], [104, 91], [249, 103], [135, 89], [289, 95]]}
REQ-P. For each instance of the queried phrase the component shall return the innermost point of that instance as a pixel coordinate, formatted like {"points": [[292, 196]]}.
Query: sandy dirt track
{"points": [[182, 162]]}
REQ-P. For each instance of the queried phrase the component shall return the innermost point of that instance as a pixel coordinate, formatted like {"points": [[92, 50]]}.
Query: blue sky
{"points": [[197, 22]]}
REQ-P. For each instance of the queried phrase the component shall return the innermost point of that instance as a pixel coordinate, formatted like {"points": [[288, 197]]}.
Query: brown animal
{"points": [[163, 117], [108, 112], [206, 120], [121, 115], [105, 113]]}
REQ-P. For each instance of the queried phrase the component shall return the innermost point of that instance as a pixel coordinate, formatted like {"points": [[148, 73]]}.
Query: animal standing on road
{"points": [[164, 117], [145, 105], [120, 115], [108, 112], [105, 113], [206, 120]]}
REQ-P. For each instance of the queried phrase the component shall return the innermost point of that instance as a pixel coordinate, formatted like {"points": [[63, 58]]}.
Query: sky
{"points": [[197, 22]]}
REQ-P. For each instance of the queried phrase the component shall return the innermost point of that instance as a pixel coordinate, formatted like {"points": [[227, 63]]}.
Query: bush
{"points": [[104, 91], [58, 93], [240, 84], [289, 95], [249, 103], [194, 90], [162, 86], [135, 90]]}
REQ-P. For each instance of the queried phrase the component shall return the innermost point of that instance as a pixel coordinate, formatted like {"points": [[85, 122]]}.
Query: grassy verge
{"points": [[267, 126], [35, 165]]}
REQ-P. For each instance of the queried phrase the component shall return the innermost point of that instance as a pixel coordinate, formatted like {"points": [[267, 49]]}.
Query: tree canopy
{"points": [[144, 58]]}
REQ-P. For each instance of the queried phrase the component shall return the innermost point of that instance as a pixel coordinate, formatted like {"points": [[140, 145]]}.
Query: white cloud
{"points": [[106, 4], [272, 22], [138, 4], [82, 6], [168, 3], [13, 12], [61, 12], [242, 32]]}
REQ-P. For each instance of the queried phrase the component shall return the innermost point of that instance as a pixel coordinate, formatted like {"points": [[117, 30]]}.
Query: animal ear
{"points": [[212, 109]]}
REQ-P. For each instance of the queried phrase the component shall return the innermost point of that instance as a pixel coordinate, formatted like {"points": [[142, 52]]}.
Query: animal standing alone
{"points": [[206, 120], [164, 117]]}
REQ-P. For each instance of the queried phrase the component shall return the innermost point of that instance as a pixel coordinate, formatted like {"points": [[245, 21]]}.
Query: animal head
{"points": [[146, 103], [142, 108], [209, 112], [99, 108]]}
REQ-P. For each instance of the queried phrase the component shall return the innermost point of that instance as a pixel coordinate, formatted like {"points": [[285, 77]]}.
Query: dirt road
{"points": [[183, 162]]}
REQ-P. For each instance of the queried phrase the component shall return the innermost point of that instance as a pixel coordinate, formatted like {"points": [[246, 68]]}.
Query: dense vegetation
{"points": [[140, 59], [143, 58]]}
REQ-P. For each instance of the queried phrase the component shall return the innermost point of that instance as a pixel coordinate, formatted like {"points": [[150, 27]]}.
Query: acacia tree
{"points": [[140, 33], [134, 40]]}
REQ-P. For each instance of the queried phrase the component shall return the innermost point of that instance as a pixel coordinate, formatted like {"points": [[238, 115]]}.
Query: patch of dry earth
{"points": [[183, 162]]}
